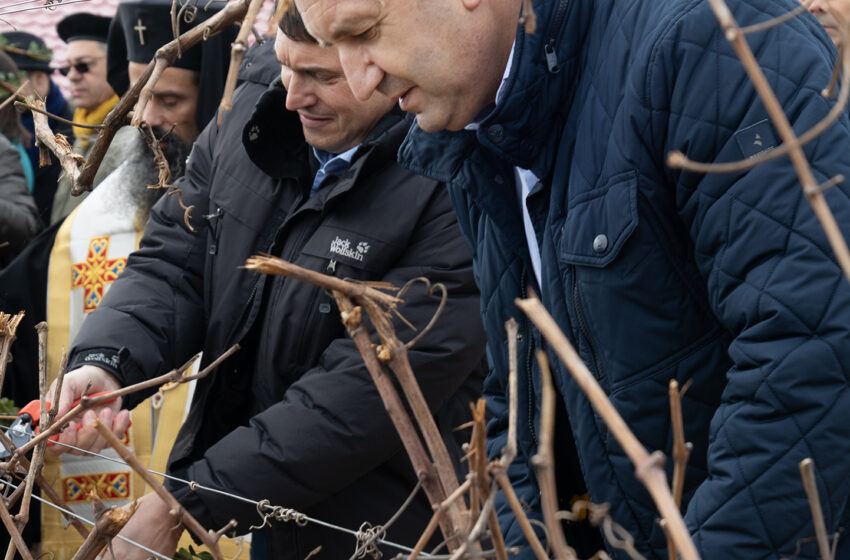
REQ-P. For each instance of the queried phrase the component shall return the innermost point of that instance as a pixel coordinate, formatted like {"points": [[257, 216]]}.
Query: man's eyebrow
{"points": [[169, 93], [309, 69]]}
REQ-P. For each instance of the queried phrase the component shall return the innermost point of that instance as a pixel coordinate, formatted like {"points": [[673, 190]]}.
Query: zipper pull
{"points": [[210, 218], [551, 57], [325, 301]]}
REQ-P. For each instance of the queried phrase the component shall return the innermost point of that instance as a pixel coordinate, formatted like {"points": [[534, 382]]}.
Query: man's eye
{"points": [[368, 35]]}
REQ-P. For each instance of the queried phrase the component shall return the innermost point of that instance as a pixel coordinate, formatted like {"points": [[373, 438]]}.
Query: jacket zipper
{"points": [[215, 226], [549, 47], [528, 359], [321, 303], [585, 332]]}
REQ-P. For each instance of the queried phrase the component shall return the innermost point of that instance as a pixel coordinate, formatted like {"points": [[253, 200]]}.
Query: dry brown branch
{"points": [[16, 539], [647, 466], [267, 264], [773, 22], [544, 461], [38, 455], [478, 528], [501, 477], [807, 472], [237, 51], [57, 118], [681, 449], [400, 365], [786, 132], [614, 533], [108, 523], [164, 173], [681, 452], [14, 95], [438, 514], [477, 458], [8, 326], [174, 376], [46, 488], [528, 19], [509, 452], [277, 14], [69, 160], [233, 11], [425, 471], [209, 538]]}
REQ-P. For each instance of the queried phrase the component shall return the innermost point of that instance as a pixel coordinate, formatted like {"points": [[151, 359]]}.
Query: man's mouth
{"points": [[404, 99], [312, 121]]}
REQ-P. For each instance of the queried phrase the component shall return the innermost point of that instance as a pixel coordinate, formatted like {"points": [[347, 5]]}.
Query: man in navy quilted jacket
{"points": [[554, 146]]}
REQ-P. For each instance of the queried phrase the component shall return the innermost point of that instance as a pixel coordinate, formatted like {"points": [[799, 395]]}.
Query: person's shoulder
{"points": [[260, 65]]}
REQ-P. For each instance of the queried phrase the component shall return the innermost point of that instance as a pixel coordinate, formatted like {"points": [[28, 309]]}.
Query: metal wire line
{"points": [[45, 7], [195, 486], [86, 521]]}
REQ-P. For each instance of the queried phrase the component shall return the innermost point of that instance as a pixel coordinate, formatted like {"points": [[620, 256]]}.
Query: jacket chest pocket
{"points": [[636, 315], [355, 255], [599, 223]]}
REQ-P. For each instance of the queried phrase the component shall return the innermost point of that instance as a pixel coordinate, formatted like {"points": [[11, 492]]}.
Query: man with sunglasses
{"points": [[91, 93]]}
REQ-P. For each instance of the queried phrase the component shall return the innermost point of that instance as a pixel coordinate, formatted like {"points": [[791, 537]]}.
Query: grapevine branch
{"points": [[648, 467]]}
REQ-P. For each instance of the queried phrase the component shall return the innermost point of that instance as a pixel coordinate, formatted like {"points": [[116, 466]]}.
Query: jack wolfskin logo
{"points": [[254, 133], [343, 247], [756, 139]]}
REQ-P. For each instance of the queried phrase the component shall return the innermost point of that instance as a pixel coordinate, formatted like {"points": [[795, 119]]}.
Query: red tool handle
{"points": [[34, 408]]}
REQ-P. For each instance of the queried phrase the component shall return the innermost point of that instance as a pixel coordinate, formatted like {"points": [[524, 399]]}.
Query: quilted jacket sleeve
{"points": [[18, 214], [771, 275]]}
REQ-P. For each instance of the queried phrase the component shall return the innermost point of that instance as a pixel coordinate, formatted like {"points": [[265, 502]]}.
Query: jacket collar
{"points": [[274, 140]]}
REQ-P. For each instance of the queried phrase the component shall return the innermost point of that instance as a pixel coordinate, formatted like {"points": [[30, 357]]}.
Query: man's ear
{"points": [[471, 4]]}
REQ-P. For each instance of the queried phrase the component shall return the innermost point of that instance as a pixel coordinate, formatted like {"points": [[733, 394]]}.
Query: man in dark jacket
{"points": [[32, 57], [293, 417], [557, 168]]}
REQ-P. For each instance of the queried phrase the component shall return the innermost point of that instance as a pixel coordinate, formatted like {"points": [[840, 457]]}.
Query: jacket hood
{"points": [[273, 134]]}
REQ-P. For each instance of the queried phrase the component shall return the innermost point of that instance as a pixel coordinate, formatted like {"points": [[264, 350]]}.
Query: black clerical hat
{"points": [[26, 50], [141, 27], [82, 26]]}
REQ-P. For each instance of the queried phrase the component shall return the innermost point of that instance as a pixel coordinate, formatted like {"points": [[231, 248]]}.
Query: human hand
{"points": [[81, 432], [152, 526]]}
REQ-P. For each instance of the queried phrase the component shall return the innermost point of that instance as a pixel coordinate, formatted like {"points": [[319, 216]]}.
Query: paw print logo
{"points": [[362, 247], [254, 133]]}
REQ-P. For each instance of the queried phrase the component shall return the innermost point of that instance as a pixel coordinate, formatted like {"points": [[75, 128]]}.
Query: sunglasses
{"points": [[81, 67]]}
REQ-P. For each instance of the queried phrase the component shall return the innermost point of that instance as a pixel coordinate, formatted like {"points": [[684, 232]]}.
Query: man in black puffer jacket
{"points": [[294, 416]]}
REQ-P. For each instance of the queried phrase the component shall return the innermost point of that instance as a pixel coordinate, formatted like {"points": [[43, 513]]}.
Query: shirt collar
{"points": [[326, 157]]}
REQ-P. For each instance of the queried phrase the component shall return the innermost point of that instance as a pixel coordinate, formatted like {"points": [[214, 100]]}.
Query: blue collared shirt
{"points": [[330, 163]]}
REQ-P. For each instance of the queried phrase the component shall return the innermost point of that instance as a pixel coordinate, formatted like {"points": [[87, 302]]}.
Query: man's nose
{"points": [[74, 75], [154, 117], [362, 74], [815, 6], [298, 93]]}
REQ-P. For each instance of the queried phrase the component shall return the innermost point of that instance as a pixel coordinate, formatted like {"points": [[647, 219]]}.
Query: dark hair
{"points": [[10, 119], [293, 26]]}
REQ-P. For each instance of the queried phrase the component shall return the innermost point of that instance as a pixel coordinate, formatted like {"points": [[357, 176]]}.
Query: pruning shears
{"points": [[25, 426]]}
